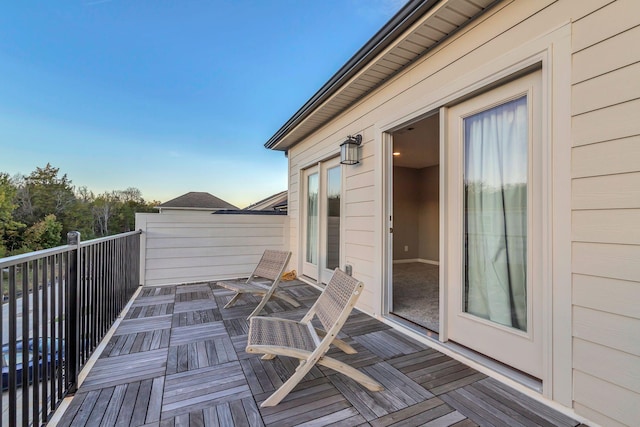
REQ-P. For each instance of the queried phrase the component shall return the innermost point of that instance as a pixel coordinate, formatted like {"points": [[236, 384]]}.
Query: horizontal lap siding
{"points": [[606, 214], [193, 248], [605, 170], [360, 220], [358, 243]]}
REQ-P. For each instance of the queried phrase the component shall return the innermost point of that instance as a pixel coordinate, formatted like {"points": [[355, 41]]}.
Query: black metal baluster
{"points": [[95, 303], [25, 346], [35, 390], [57, 345], [13, 315], [55, 259], [81, 296], [46, 372]]}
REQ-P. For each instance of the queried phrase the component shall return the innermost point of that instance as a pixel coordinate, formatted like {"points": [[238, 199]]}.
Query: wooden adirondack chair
{"points": [[270, 267], [272, 336]]}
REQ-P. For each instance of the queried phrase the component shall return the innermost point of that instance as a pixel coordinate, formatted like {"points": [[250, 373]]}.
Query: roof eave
{"points": [[400, 22]]}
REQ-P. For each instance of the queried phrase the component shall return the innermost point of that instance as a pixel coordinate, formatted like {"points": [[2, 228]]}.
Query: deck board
{"points": [[178, 359]]}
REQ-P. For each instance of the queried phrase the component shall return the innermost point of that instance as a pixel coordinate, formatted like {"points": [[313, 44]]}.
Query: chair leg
{"points": [[351, 372], [260, 306], [285, 389], [287, 298], [346, 348], [233, 300]]}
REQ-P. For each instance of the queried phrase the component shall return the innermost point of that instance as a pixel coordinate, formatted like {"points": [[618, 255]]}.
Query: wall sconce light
{"points": [[349, 150]]}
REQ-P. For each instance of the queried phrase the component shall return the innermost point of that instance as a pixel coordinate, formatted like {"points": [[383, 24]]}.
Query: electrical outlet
{"points": [[406, 248]]}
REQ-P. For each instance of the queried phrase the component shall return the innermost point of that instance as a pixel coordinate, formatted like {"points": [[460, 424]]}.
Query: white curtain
{"points": [[495, 213]]}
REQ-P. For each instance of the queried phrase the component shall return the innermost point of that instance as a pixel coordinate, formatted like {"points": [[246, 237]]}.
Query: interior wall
{"points": [[416, 213], [429, 214], [406, 189]]}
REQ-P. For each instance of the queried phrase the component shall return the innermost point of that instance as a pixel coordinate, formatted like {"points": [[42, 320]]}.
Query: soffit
{"points": [[439, 22]]}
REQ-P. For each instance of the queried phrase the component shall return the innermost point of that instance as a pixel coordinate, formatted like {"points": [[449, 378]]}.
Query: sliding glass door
{"points": [[493, 181]]}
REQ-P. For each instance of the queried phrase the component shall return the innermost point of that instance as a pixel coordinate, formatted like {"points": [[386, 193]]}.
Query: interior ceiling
{"points": [[418, 144]]}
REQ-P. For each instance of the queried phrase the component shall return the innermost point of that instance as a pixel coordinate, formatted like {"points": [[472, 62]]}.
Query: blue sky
{"points": [[168, 96]]}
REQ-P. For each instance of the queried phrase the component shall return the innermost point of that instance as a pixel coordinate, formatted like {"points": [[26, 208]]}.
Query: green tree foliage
{"points": [[43, 234], [9, 228], [81, 216], [38, 210], [48, 193]]}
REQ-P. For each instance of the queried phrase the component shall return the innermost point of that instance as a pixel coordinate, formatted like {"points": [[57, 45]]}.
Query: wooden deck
{"points": [[178, 359]]}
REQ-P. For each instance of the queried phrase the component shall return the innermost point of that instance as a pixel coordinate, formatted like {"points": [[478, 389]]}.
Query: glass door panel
{"points": [[495, 213], [310, 222], [334, 185], [493, 182], [312, 219]]}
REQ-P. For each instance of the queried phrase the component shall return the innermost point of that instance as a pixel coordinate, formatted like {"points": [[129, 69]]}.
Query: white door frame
{"points": [[552, 53], [319, 272], [308, 269]]}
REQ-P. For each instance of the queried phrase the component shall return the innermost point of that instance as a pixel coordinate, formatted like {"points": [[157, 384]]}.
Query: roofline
{"points": [[400, 22], [273, 196], [187, 208]]}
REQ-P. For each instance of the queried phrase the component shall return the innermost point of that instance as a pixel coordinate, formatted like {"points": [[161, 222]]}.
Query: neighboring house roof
{"points": [[277, 201], [197, 200], [416, 29]]}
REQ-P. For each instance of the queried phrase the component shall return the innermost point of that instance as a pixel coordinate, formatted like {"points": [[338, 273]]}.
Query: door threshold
{"points": [[415, 327], [432, 339]]}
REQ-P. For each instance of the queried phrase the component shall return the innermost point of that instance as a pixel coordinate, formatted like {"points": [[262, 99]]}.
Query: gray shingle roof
{"points": [[197, 200], [275, 201]]}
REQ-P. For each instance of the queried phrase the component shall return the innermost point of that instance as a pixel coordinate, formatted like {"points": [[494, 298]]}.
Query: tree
{"points": [[102, 208], [49, 193], [115, 211], [80, 213], [9, 228], [24, 208], [44, 192], [131, 201], [43, 234], [37, 210]]}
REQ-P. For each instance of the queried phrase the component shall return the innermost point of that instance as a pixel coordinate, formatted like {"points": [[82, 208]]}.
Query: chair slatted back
{"points": [[272, 264], [334, 300]]}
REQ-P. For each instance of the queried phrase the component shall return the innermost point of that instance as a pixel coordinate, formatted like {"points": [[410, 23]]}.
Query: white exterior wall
{"points": [[605, 228], [592, 104], [193, 248]]}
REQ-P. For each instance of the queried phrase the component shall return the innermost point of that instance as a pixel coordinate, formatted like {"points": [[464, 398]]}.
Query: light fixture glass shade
{"points": [[350, 150]]}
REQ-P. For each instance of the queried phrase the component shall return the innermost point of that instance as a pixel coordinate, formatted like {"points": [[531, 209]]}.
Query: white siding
{"points": [[193, 248], [606, 214], [603, 280]]}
